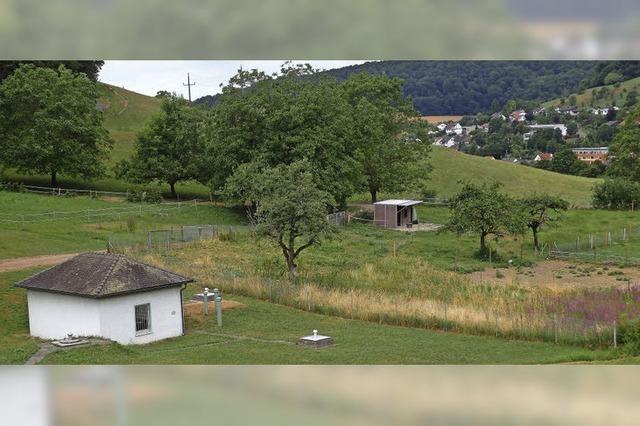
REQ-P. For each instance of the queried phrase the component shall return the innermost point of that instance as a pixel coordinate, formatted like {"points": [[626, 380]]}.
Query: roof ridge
{"points": [[101, 286]]}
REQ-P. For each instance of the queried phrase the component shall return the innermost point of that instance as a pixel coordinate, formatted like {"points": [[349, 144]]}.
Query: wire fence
{"points": [[166, 239], [89, 215], [608, 246]]}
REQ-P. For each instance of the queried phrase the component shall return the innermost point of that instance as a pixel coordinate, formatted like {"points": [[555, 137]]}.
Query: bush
{"points": [[629, 335], [616, 194], [365, 214], [144, 195], [12, 186]]}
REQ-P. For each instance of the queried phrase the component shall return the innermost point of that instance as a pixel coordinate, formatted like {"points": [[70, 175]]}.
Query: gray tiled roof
{"points": [[100, 275]]}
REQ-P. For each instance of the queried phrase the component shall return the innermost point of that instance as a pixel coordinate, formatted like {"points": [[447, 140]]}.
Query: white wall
{"points": [[117, 316], [53, 316]]}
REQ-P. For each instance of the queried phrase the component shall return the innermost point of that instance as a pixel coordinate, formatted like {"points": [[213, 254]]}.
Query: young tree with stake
{"points": [[541, 210]]}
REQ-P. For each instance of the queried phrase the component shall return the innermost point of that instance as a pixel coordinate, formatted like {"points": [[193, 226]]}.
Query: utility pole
{"points": [[189, 84]]}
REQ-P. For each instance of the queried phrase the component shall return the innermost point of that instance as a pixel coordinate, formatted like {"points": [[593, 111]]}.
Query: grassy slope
{"points": [[126, 114], [618, 97], [451, 166]]}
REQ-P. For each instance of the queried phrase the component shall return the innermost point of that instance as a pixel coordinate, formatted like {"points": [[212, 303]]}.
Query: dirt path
{"points": [[29, 262], [557, 273]]}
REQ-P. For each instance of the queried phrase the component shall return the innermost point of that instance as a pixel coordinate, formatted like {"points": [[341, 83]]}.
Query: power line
{"points": [[189, 84]]}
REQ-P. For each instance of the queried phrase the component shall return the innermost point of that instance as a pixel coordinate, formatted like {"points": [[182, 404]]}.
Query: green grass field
{"points": [[87, 231], [451, 166], [265, 333], [618, 95]]}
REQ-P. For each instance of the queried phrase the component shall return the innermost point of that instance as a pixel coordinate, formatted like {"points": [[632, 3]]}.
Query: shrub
{"points": [[144, 195], [616, 194], [364, 214], [12, 186], [629, 335]]}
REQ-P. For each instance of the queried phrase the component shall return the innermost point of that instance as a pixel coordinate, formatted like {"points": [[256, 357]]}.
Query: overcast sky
{"points": [[148, 77]]}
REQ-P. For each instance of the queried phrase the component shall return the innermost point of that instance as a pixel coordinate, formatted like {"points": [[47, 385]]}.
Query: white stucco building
{"points": [[105, 295]]}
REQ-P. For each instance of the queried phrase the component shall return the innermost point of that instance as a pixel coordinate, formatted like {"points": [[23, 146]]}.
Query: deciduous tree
{"points": [[49, 123], [541, 210], [170, 148], [484, 210], [292, 210]]}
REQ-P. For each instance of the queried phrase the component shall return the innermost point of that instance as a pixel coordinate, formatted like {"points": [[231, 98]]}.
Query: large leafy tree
{"points": [[90, 68], [393, 149], [281, 119], [625, 149], [170, 148], [292, 210], [49, 123], [541, 210], [484, 210]]}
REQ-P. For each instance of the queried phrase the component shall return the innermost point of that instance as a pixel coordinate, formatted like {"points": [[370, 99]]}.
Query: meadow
{"points": [[618, 95], [33, 224], [266, 333]]}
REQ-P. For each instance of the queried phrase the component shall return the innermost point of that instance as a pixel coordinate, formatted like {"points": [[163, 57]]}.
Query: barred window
{"points": [[143, 318]]}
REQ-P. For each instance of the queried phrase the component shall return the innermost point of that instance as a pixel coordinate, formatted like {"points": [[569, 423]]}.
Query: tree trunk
{"points": [[54, 179], [374, 195], [173, 189], [536, 243], [483, 243], [291, 264]]}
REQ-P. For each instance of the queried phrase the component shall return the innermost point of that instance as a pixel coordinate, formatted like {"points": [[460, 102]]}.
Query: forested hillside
{"points": [[468, 87]]}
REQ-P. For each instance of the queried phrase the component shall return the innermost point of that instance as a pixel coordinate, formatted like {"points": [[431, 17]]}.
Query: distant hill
{"points": [[614, 94], [469, 87], [450, 167]]}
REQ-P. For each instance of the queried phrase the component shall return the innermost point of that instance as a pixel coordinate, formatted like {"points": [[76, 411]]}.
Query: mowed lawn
{"points": [[265, 333], [85, 230]]}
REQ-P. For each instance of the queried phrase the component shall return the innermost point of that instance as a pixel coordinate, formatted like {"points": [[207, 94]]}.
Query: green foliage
{"points": [[391, 146], [468, 87], [131, 224], [616, 194], [292, 210], [629, 335], [170, 149], [49, 123], [541, 210], [140, 194], [277, 120], [90, 68], [625, 149], [484, 210], [12, 186]]}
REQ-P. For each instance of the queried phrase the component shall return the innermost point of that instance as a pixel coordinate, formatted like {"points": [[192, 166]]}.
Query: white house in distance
{"points": [[108, 296]]}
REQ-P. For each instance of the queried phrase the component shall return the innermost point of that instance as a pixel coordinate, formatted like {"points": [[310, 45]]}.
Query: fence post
{"points": [[309, 298], [615, 334], [555, 327], [148, 240]]}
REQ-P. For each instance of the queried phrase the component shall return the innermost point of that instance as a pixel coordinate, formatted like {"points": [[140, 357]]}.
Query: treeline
{"points": [[469, 87], [90, 68]]}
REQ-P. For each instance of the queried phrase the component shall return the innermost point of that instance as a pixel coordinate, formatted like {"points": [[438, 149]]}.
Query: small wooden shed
{"points": [[395, 213]]}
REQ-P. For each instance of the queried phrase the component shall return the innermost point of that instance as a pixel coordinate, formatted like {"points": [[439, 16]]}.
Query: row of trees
{"points": [[484, 210], [358, 135]]}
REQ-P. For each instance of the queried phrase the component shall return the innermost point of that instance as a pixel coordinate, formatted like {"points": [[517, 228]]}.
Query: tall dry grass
{"points": [[405, 292]]}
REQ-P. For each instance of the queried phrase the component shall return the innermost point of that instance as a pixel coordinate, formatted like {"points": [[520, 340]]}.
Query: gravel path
{"points": [[29, 262]]}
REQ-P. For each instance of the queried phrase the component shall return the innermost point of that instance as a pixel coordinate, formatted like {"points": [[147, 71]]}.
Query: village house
{"points": [[572, 111], [518, 116], [603, 111], [543, 156], [539, 111], [108, 296], [561, 127], [395, 213], [442, 126], [591, 155], [453, 128], [498, 115]]}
